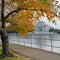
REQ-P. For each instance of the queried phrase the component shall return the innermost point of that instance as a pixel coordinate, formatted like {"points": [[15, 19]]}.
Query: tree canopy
{"points": [[23, 14]]}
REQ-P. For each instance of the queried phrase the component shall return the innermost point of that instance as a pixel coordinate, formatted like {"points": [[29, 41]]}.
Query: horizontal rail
{"points": [[49, 42]]}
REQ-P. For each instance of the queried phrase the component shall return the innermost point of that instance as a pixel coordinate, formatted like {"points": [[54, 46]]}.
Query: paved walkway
{"points": [[35, 53]]}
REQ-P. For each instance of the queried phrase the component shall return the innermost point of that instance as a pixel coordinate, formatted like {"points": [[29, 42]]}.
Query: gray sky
{"points": [[57, 25], [56, 19]]}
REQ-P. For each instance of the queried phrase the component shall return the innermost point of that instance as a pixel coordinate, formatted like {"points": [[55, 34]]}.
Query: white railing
{"points": [[48, 42]]}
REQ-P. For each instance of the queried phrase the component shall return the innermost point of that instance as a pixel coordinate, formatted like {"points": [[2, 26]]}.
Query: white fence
{"points": [[49, 42]]}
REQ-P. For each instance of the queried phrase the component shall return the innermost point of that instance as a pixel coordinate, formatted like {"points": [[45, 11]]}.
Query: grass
{"points": [[12, 58], [16, 57]]}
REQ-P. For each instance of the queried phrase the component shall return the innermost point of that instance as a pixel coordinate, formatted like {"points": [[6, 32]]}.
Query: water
{"points": [[49, 42]]}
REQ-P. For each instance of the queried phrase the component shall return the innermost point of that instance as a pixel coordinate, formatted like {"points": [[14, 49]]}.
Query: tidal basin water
{"points": [[48, 42]]}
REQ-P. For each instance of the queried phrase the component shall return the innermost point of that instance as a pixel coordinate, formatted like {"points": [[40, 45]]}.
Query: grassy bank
{"points": [[12, 58], [16, 57]]}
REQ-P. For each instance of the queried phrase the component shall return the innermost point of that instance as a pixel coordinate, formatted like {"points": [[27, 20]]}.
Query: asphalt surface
{"points": [[37, 54]]}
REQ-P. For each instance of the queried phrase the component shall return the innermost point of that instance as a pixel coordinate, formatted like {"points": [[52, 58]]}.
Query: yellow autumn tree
{"points": [[21, 16], [28, 13]]}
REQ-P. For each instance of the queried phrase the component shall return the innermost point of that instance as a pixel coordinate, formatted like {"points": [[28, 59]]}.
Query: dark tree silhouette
{"points": [[3, 33], [4, 36]]}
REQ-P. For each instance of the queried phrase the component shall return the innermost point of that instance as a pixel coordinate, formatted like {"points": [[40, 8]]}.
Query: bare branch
{"points": [[18, 10]]}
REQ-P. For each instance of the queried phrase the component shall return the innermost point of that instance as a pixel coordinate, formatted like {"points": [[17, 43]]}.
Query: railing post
{"points": [[51, 36], [31, 39], [39, 40]]}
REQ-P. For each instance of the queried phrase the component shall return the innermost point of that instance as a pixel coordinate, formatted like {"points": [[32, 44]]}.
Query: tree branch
{"points": [[17, 11], [11, 13]]}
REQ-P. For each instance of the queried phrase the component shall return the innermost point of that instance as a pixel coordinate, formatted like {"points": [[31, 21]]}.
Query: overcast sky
{"points": [[57, 25], [52, 24]]}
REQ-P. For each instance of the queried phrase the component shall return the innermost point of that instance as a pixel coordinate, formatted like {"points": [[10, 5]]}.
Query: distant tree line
{"points": [[54, 30]]}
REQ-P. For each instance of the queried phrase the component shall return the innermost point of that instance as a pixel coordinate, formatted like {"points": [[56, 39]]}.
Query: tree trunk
{"points": [[4, 36], [5, 44]]}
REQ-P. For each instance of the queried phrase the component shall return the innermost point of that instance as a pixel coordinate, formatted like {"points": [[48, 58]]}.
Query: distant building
{"points": [[41, 27]]}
